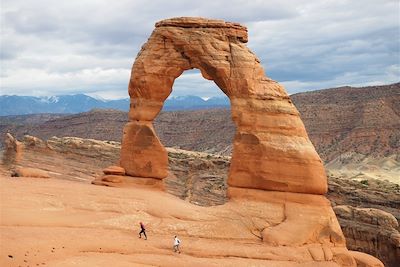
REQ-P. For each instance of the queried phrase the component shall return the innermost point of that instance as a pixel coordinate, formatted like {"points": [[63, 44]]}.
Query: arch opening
{"points": [[198, 136]]}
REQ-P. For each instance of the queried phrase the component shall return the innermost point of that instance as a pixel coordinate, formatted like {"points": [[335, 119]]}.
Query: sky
{"points": [[88, 46]]}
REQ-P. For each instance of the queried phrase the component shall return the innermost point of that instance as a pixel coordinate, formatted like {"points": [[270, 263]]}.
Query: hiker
{"points": [[142, 231], [177, 242]]}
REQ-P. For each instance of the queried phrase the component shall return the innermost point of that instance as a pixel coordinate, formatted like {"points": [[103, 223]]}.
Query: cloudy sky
{"points": [[88, 46]]}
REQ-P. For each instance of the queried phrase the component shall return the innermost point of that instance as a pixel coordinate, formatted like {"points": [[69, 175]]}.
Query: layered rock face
{"points": [[271, 149], [13, 150], [363, 120], [371, 230]]}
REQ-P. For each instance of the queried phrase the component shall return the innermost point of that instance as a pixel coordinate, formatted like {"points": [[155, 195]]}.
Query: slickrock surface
{"points": [[82, 223], [64, 223], [271, 149]]}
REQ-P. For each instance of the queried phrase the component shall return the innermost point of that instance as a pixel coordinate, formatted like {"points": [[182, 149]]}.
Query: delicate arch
{"points": [[271, 149]]}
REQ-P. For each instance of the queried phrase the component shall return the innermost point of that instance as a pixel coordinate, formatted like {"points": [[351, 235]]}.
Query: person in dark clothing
{"points": [[142, 231]]}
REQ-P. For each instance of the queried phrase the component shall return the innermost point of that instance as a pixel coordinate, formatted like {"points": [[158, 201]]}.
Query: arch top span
{"points": [[230, 28], [271, 149]]}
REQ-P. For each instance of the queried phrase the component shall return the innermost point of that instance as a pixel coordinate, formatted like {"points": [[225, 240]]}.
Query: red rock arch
{"points": [[271, 149]]}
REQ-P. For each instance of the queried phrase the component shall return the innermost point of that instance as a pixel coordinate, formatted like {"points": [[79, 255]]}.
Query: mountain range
{"points": [[70, 104]]}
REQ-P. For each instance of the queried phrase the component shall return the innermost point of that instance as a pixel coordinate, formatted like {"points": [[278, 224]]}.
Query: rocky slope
{"points": [[63, 223], [360, 120], [202, 130], [200, 178]]}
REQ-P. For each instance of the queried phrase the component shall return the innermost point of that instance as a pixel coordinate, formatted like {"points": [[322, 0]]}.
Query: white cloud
{"points": [[52, 48], [389, 75], [40, 82]]}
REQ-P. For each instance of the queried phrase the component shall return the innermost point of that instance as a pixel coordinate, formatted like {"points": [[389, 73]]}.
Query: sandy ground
{"points": [[53, 222]]}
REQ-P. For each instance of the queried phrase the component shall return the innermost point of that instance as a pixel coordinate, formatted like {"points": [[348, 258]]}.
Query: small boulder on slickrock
{"points": [[29, 172], [114, 170], [112, 178], [32, 141]]}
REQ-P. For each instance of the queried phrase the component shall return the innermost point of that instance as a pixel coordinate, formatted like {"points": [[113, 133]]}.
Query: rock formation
{"points": [[29, 172], [13, 150], [271, 147], [105, 150], [273, 160], [371, 230]]}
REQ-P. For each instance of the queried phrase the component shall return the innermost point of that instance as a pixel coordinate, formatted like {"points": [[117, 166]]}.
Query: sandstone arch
{"points": [[271, 149]]}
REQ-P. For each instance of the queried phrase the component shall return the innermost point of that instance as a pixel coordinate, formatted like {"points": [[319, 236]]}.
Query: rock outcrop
{"points": [[26, 158], [372, 231], [114, 170], [13, 150], [271, 149], [29, 172], [105, 150]]}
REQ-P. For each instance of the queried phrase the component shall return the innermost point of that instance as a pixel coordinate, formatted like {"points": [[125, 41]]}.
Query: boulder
{"points": [[114, 170], [13, 150], [29, 172], [33, 141], [128, 181]]}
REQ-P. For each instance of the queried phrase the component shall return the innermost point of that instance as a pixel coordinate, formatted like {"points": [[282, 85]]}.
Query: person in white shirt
{"points": [[177, 242]]}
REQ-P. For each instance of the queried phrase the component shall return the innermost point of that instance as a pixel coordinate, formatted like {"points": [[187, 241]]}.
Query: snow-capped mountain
{"points": [[20, 105]]}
